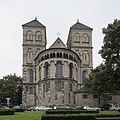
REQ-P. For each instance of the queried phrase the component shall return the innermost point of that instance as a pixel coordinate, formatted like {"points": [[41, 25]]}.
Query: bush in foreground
{"points": [[7, 111], [19, 109], [71, 112], [69, 117]]}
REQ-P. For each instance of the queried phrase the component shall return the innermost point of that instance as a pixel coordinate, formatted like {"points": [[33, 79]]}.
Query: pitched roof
{"points": [[33, 23], [82, 90], [58, 44], [79, 25]]}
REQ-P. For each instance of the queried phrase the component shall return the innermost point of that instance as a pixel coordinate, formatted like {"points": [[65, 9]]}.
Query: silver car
{"points": [[42, 108], [91, 108]]}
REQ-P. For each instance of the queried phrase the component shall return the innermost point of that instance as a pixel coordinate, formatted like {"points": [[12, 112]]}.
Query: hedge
{"points": [[69, 117], [71, 112], [107, 115], [19, 109], [7, 111]]}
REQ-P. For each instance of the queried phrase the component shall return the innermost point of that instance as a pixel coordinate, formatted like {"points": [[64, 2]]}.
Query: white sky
{"points": [[57, 16]]}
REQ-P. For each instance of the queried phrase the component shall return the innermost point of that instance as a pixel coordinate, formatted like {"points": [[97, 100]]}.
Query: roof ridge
{"points": [[33, 23], [79, 25]]}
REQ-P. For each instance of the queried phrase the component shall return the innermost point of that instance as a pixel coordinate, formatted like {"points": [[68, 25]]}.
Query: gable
{"points": [[58, 44]]}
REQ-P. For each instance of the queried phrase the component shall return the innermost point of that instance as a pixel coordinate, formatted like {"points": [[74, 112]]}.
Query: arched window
{"points": [[31, 75], [47, 70], [29, 54], [59, 86], [29, 35], [59, 69], [84, 75], [85, 56], [77, 37], [30, 90], [71, 70], [38, 35], [37, 50], [39, 73], [85, 38], [70, 86], [47, 86]]}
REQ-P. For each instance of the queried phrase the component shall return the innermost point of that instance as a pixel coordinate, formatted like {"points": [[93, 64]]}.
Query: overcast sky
{"points": [[57, 16]]}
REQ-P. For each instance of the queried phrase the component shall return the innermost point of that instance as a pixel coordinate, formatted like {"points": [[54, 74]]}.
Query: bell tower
{"points": [[34, 41], [80, 41]]}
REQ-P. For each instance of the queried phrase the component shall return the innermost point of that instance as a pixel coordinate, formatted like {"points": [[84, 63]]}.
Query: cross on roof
{"points": [[58, 34]]}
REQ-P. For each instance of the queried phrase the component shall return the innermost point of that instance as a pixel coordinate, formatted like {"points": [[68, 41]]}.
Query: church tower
{"points": [[80, 41], [34, 41]]}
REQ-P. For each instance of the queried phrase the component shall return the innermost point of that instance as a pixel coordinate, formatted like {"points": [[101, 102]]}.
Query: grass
{"points": [[109, 112], [27, 115], [36, 115]]}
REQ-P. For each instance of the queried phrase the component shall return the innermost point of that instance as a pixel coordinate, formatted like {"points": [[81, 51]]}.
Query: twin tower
{"points": [[55, 75]]}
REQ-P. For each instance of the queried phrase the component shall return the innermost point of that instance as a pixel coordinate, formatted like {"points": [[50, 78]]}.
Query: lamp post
{"points": [[8, 101], [20, 93]]}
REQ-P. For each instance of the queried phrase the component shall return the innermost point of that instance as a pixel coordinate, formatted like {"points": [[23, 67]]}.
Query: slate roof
{"points": [[79, 25], [33, 23]]}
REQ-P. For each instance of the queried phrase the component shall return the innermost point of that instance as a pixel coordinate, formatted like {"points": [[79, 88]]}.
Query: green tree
{"points": [[110, 52], [105, 79], [98, 82], [11, 88]]}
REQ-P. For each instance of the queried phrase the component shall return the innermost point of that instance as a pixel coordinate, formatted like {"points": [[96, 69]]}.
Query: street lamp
{"points": [[8, 101], [20, 92]]}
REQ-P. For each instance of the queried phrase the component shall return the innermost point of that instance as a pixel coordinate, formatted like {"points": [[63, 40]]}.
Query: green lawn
{"points": [[36, 115], [27, 115]]}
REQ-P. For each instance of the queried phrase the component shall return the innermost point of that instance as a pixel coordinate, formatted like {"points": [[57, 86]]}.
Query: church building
{"points": [[56, 75]]}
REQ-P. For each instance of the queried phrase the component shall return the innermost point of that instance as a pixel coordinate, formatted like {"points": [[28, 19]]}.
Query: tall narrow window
{"points": [[31, 78], [86, 56], [71, 70], [47, 86], [39, 73], [37, 50], [30, 90], [84, 75], [47, 70], [29, 54], [29, 35], [59, 86], [70, 86], [59, 70], [38, 35], [77, 37], [85, 38]]}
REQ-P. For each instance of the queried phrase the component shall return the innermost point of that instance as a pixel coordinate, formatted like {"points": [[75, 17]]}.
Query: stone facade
{"points": [[53, 76]]}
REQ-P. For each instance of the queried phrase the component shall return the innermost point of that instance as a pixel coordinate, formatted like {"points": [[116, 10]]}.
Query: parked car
{"points": [[114, 106], [17, 106], [42, 108], [77, 107], [91, 108], [32, 108], [62, 107]]}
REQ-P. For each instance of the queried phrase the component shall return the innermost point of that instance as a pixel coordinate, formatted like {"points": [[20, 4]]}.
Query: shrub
{"points": [[7, 112], [107, 115], [70, 112], [19, 109], [69, 117]]}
